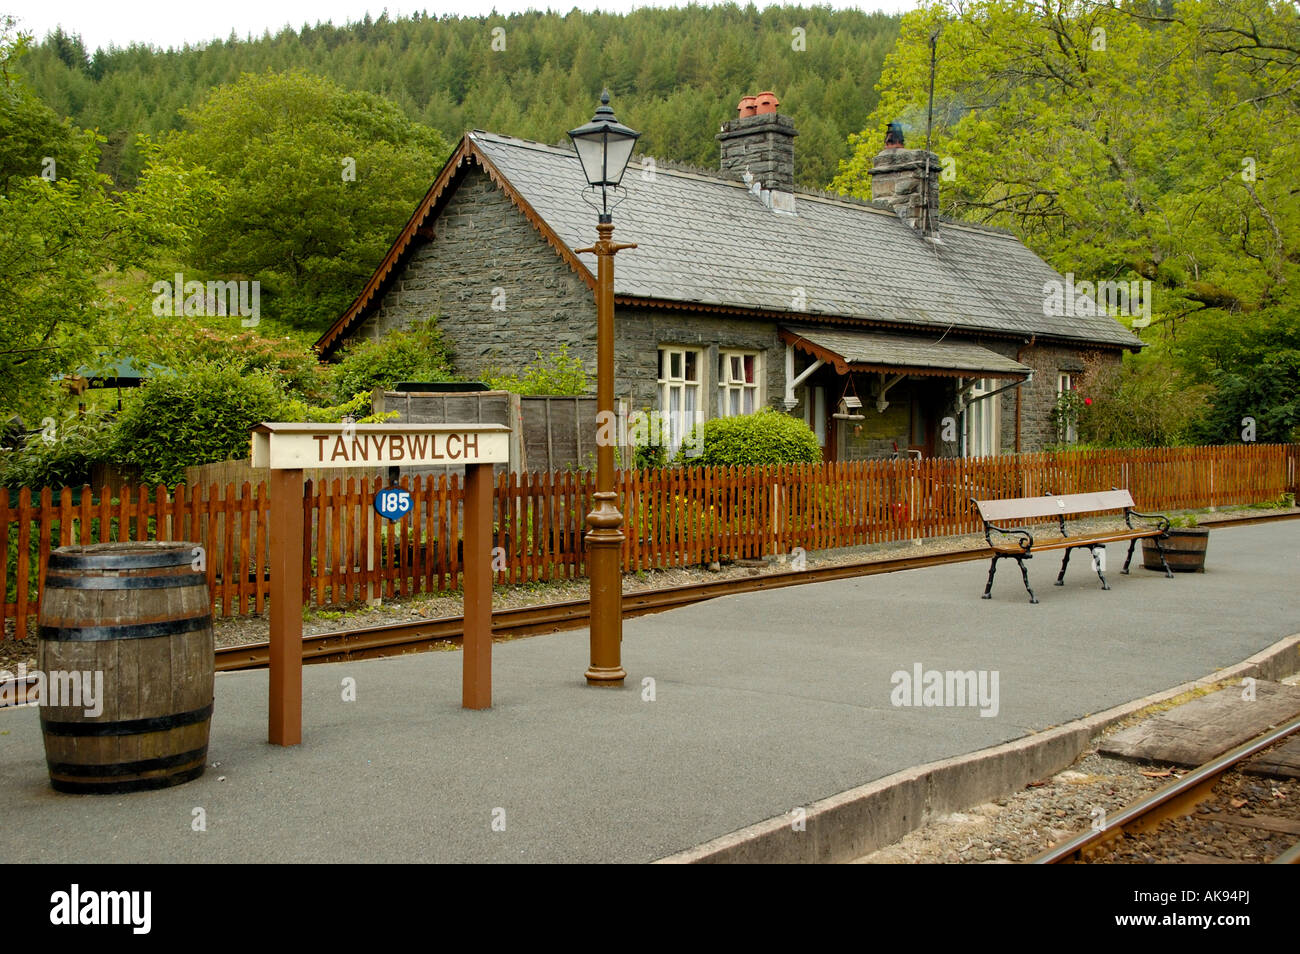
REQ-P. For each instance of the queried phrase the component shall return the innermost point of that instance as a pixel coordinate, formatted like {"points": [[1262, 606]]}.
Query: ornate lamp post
{"points": [[604, 147]]}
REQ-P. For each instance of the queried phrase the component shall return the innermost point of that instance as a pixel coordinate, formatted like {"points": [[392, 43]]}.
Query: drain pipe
{"points": [[1020, 351]]}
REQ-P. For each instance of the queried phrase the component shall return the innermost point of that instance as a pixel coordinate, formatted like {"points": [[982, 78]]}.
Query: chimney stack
{"points": [[760, 141], [898, 177]]}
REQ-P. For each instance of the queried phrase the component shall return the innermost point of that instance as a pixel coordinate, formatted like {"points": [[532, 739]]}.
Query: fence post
{"points": [[1212, 507]]}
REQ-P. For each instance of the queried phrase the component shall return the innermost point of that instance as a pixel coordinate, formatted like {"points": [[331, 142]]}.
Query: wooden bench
{"points": [[1004, 517]]}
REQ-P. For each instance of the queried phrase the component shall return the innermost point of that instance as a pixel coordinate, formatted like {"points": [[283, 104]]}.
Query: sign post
{"points": [[288, 450]]}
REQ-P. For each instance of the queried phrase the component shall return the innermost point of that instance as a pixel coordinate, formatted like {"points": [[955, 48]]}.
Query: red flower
{"points": [[1087, 401]]}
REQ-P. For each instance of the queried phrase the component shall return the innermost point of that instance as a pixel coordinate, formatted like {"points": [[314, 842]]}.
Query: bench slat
{"points": [[1095, 539], [1065, 505]]}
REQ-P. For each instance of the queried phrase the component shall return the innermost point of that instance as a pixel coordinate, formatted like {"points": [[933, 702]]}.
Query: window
{"points": [[738, 375], [984, 420], [679, 392], [1066, 414]]}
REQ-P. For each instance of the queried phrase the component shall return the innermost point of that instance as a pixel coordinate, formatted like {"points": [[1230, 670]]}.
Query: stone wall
{"points": [[640, 332], [1037, 427], [501, 293]]}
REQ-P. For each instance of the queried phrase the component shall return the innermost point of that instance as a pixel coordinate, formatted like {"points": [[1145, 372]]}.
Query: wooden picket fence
{"points": [[673, 517]]}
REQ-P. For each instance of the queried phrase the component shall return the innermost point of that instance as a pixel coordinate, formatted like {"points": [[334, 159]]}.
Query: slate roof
{"points": [[877, 351], [705, 240]]}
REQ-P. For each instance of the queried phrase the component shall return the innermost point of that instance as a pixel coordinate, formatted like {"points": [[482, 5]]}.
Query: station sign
{"points": [[316, 446]]}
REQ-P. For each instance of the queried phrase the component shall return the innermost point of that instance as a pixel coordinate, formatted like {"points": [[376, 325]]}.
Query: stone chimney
{"points": [[898, 177], [758, 145]]}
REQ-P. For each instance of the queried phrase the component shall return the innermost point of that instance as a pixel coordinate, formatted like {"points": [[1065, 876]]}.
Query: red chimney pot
{"points": [[767, 102], [748, 106]]}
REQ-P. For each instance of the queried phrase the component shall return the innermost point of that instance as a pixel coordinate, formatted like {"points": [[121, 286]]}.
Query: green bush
{"points": [[768, 437], [1145, 402], [289, 360], [650, 435], [61, 455], [555, 373], [415, 354], [200, 416]]}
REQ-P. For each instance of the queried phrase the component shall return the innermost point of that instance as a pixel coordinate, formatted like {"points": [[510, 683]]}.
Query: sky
{"points": [[164, 23]]}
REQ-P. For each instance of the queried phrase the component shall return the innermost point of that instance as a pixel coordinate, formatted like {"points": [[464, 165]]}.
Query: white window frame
{"points": [[680, 421], [1065, 382], [984, 421], [736, 395]]}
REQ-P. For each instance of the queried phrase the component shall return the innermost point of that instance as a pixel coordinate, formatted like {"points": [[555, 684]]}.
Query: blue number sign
{"points": [[393, 503]]}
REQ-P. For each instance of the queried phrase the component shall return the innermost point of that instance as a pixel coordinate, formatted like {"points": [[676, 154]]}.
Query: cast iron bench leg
{"points": [[1025, 573], [988, 590], [1096, 564], [1161, 550], [1060, 577], [1132, 543]]}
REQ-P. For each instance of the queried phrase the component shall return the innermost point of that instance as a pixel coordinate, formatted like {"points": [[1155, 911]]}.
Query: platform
{"points": [[763, 702]]}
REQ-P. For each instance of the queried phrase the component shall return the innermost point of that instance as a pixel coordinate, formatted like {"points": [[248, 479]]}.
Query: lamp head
{"points": [[604, 147]]}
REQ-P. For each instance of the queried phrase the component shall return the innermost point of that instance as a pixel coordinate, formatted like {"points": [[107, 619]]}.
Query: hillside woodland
{"points": [[1132, 141]]}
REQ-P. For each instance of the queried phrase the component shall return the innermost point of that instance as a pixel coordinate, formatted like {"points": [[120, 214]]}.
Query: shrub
{"points": [[1143, 403], [555, 373], [288, 360], [62, 455], [202, 415], [768, 437], [416, 354], [650, 435]]}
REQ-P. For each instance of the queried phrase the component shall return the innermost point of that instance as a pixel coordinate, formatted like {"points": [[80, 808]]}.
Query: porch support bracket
{"points": [[882, 404], [792, 382]]}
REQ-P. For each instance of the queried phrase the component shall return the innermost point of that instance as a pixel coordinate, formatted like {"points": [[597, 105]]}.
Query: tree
{"points": [[64, 239], [1123, 143], [53, 229], [318, 181], [435, 69]]}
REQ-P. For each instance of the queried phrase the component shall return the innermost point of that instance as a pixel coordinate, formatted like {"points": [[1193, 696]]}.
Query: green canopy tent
{"points": [[109, 372]]}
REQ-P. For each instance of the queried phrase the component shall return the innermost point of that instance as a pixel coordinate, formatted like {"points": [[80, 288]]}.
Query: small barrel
{"points": [[1184, 550], [126, 649]]}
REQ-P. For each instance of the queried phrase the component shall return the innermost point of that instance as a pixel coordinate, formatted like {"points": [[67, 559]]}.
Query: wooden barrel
{"points": [[1184, 550], [125, 629]]}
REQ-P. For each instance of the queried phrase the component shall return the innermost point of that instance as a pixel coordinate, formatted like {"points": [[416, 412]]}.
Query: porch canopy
{"points": [[902, 354]]}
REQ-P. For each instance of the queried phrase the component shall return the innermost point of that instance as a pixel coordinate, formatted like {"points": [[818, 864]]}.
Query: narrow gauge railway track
{"points": [[1178, 801], [421, 634], [417, 635]]}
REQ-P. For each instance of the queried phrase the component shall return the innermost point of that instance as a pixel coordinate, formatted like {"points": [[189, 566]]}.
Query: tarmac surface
{"points": [[761, 703]]}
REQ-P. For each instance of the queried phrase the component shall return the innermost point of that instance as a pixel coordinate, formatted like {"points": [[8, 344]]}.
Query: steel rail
{"points": [[1289, 857], [415, 635], [1169, 802]]}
